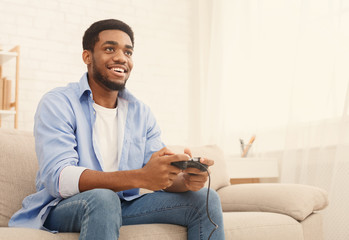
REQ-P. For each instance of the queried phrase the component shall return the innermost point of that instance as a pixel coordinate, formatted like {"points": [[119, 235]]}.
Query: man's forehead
{"points": [[114, 35], [115, 43]]}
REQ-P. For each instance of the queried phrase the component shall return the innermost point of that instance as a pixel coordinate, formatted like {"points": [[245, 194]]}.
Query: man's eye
{"points": [[129, 53], [109, 49]]}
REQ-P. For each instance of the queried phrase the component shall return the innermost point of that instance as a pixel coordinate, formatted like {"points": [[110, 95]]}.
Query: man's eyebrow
{"points": [[116, 43], [110, 43], [129, 46]]}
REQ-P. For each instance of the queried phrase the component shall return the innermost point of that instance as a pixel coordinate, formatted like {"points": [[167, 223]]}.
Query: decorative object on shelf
{"points": [[6, 93], [7, 106], [246, 147]]}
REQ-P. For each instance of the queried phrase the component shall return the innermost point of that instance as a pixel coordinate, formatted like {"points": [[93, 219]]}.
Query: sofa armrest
{"points": [[296, 200]]}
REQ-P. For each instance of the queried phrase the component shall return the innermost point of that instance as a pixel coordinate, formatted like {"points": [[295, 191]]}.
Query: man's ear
{"points": [[87, 57]]}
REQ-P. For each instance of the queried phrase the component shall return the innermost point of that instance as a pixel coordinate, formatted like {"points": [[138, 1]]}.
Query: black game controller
{"points": [[191, 163]]}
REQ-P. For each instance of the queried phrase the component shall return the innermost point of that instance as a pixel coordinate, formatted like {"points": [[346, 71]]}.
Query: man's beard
{"points": [[97, 75]]}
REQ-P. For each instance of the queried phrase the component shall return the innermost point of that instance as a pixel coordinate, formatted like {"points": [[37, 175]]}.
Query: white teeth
{"points": [[118, 70]]}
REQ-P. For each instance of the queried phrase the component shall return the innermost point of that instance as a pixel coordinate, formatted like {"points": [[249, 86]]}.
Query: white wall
{"points": [[50, 32]]}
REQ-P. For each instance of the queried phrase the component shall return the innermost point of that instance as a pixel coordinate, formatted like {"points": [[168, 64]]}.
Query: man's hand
{"points": [[194, 179], [190, 179], [158, 172]]}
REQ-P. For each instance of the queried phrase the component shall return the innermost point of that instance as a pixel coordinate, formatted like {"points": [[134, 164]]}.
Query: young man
{"points": [[97, 145]]}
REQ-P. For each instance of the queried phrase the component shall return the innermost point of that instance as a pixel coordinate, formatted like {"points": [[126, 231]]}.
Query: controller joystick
{"points": [[191, 163]]}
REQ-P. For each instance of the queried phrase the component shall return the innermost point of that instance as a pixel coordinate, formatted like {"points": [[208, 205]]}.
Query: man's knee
{"points": [[214, 201], [213, 197], [201, 198], [104, 203]]}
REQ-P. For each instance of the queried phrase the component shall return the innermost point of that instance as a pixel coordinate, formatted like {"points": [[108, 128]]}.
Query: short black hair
{"points": [[91, 34]]}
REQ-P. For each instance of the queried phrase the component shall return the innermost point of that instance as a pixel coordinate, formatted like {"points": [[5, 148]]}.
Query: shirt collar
{"points": [[125, 94], [85, 89], [84, 86]]}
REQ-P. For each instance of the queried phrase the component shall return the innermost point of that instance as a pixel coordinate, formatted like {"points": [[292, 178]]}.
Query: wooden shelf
{"points": [[10, 107], [244, 180], [6, 56], [7, 112]]}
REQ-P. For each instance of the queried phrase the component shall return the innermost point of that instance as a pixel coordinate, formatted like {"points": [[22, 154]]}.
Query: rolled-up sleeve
{"points": [[69, 181]]}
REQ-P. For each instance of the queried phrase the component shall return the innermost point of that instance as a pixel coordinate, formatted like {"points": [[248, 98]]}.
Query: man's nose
{"points": [[119, 56]]}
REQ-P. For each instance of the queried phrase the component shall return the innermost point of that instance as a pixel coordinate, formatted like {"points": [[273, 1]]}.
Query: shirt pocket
{"points": [[135, 153]]}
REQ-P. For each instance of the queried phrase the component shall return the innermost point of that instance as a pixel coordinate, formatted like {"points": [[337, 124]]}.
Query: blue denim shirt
{"points": [[63, 133]]}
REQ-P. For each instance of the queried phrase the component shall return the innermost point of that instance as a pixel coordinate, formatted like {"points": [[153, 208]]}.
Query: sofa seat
{"points": [[261, 226], [134, 232], [238, 225]]}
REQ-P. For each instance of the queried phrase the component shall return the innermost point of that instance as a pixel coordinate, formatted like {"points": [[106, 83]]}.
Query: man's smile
{"points": [[118, 70]]}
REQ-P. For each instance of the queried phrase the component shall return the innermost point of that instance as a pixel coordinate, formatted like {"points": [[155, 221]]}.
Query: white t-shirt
{"points": [[105, 133]]}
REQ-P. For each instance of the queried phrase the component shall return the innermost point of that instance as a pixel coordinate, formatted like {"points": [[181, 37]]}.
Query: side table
{"points": [[251, 170]]}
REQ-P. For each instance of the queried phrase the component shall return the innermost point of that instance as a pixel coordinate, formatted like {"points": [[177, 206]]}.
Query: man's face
{"points": [[112, 60]]}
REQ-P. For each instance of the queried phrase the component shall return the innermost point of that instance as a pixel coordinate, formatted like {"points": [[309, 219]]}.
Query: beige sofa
{"points": [[251, 211]]}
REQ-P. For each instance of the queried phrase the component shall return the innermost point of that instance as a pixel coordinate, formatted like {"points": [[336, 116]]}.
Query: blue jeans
{"points": [[99, 213]]}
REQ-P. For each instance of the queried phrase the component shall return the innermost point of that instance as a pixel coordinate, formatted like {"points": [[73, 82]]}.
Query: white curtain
{"points": [[279, 69], [317, 154]]}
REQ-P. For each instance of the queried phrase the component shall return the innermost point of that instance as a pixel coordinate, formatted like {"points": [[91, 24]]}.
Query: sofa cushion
{"points": [[17, 172], [152, 232], [313, 227], [7, 233], [295, 200], [261, 226], [134, 232], [219, 172], [237, 225]]}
